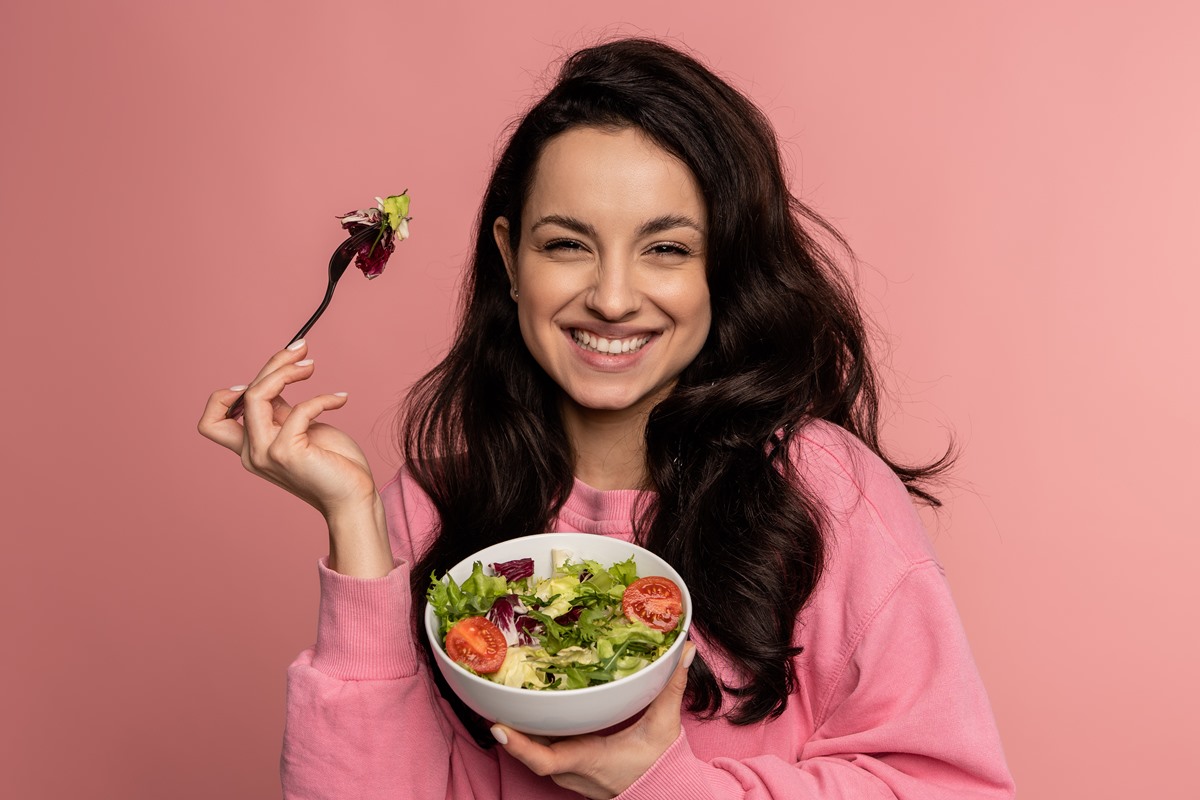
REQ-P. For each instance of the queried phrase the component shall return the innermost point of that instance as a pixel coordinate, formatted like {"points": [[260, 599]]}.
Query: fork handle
{"points": [[337, 266], [235, 410], [316, 314]]}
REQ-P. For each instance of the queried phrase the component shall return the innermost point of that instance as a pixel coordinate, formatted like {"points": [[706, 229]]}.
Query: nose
{"points": [[614, 294]]}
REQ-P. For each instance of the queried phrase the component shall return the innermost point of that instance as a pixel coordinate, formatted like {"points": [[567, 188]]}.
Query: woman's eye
{"points": [[670, 249], [563, 245]]}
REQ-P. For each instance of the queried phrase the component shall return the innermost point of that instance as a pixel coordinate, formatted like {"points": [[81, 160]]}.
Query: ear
{"points": [[500, 232]]}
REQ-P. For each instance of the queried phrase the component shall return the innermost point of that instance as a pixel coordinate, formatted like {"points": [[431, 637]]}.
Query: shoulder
{"points": [[877, 553], [412, 519], [862, 499]]}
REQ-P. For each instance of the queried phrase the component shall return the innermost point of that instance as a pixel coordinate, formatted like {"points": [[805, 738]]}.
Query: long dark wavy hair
{"points": [[483, 434]]}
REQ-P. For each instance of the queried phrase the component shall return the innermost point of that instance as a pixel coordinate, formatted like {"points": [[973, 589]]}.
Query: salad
{"points": [[585, 625]]}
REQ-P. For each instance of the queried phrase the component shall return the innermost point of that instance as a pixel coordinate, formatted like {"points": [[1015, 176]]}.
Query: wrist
{"points": [[358, 540]]}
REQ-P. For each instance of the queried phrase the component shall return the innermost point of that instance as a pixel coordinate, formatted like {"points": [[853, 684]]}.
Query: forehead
{"points": [[611, 175]]}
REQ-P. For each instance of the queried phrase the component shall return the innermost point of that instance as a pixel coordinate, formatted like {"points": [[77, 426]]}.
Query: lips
{"points": [[596, 343]]}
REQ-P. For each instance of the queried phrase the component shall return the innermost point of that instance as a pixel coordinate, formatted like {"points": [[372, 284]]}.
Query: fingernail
{"points": [[341, 394], [304, 363], [688, 655], [241, 387], [499, 734], [296, 345]]}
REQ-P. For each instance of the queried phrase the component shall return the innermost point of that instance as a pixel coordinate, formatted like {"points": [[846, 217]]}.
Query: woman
{"points": [[652, 347]]}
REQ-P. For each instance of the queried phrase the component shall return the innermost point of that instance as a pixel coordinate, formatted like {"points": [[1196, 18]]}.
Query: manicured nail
{"points": [[304, 363], [499, 734], [341, 394], [296, 345], [241, 387], [688, 656]]}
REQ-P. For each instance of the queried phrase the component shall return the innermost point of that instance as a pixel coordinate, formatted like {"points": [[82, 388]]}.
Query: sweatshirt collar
{"points": [[594, 510]]}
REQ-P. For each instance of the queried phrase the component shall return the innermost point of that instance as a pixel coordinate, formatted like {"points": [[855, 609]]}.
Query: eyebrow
{"points": [[570, 223], [657, 225], [668, 222]]}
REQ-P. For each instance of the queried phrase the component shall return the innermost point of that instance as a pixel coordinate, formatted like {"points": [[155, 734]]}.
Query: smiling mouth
{"points": [[598, 344]]}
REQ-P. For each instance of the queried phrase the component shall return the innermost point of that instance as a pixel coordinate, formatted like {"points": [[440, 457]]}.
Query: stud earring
{"points": [[513, 291]]}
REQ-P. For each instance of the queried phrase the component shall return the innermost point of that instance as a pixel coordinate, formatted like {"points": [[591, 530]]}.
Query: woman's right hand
{"points": [[314, 461]]}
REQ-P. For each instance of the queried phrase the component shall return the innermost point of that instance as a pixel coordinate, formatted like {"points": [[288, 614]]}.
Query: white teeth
{"points": [[609, 346]]}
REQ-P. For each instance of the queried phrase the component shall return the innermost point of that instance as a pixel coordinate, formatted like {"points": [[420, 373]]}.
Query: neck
{"points": [[609, 446]]}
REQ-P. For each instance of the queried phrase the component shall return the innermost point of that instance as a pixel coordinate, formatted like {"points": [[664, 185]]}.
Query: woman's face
{"points": [[613, 299]]}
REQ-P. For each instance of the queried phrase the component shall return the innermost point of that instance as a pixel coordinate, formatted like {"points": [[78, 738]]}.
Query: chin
{"points": [[610, 401], [604, 405]]}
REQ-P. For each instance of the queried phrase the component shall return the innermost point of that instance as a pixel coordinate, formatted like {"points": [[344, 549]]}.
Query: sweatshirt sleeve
{"points": [[910, 720], [364, 718]]}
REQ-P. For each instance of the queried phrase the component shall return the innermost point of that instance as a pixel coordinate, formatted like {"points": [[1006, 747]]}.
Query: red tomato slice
{"points": [[477, 643], [654, 601]]}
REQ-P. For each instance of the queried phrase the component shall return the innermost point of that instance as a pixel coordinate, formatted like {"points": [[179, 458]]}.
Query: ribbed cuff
{"points": [[363, 629], [677, 775]]}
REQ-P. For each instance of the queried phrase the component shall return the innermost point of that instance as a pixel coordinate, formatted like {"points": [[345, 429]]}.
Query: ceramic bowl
{"points": [[569, 711]]}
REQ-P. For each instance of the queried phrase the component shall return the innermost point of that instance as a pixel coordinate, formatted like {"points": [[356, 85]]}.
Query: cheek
{"points": [[528, 329], [701, 333], [699, 315], [535, 317], [707, 326]]}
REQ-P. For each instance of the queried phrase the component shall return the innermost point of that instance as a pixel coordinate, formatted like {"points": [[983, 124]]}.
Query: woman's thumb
{"points": [[669, 700]]}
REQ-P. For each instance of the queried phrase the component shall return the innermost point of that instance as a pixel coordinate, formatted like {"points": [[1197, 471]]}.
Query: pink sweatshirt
{"points": [[889, 702]]}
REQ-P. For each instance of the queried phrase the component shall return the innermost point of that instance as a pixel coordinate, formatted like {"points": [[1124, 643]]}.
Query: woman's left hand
{"points": [[600, 767]]}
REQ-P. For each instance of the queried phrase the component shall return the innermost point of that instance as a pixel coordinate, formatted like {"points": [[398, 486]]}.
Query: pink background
{"points": [[1019, 182]]}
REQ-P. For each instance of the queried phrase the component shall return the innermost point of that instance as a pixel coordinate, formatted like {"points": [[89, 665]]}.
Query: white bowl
{"points": [[569, 711]]}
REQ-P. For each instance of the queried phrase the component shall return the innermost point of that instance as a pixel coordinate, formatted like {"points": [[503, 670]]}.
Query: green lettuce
{"points": [[593, 644]]}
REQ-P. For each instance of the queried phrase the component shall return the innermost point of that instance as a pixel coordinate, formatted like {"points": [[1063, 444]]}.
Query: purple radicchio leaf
{"points": [[527, 626], [372, 254], [389, 221], [571, 617], [584, 575], [501, 612], [514, 570]]}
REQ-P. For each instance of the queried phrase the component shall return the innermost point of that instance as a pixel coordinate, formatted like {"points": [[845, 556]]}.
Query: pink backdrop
{"points": [[1019, 182]]}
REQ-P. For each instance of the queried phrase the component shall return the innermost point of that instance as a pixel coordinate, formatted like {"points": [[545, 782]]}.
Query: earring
{"points": [[513, 291]]}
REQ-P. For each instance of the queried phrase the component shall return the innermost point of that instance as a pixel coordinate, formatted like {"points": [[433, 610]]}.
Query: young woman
{"points": [[654, 347]]}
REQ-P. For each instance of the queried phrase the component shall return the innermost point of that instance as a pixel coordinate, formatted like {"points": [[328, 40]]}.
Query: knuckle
{"points": [[259, 458], [277, 453]]}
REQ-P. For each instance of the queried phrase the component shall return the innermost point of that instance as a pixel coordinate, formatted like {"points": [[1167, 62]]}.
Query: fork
{"points": [[338, 262]]}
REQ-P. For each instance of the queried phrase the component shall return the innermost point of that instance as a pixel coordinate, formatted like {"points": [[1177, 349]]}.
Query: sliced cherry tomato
{"points": [[654, 601], [477, 643]]}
